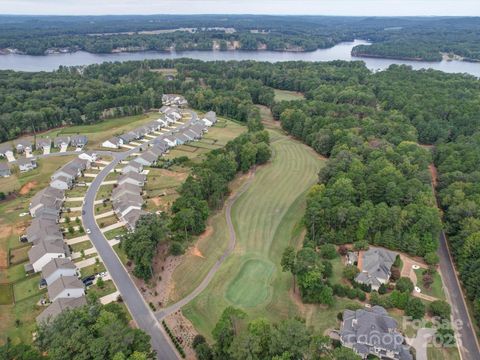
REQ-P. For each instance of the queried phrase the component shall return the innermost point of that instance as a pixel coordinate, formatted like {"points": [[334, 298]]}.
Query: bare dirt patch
{"points": [[27, 187]]}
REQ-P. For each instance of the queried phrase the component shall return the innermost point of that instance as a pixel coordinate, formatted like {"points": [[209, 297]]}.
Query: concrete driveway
{"points": [[421, 342]]}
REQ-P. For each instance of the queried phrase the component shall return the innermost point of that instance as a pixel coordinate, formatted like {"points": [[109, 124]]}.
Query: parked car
{"points": [[88, 279], [88, 231]]}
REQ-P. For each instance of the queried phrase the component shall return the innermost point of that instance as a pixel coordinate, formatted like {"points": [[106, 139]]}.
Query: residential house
{"points": [[62, 183], [43, 143], [90, 156], [79, 164], [60, 141], [58, 267], [113, 143], [41, 253], [373, 332], [126, 203], [6, 148], [154, 126], [132, 217], [199, 128], [170, 140], [27, 164], [181, 138], [132, 178], [147, 158], [193, 133], [173, 99], [132, 166], [159, 149], [375, 267], [48, 200], [4, 170], [68, 172], [23, 145], [43, 229], [162, 121], [78, 141], [66, 287], [125, 188], [161, 143], [58, 306], [127, 137], [210, 118]]}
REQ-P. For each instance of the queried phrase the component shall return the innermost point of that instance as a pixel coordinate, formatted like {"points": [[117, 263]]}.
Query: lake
{"points": [[341, 51]]}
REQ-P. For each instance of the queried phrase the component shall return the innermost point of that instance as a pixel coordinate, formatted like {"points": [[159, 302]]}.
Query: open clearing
{"points": [[263, 217], [285, 95]]}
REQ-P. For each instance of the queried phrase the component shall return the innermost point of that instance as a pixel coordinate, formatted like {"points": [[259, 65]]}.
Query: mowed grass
{"points": [[285, 95], [435, 290], [266, 219]]}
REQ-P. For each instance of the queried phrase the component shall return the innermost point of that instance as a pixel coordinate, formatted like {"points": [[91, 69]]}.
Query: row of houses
{"points": [[174, 100], [49, 253], [168, 118], [25, 145], [24, 165]]}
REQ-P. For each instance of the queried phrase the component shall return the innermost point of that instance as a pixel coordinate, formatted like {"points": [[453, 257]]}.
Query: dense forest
{"points": [[401, 38], [374, 127]]}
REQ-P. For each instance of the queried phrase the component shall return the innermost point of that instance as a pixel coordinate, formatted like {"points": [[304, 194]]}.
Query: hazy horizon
{"points": [[387, 8]]}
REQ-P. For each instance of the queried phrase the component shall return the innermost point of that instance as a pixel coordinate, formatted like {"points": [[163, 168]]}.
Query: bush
{"points": [[360, 245], [382, 290], [404, 284], [440, 308], [342, 250], [350, 272], [176, 248], [431, 258], [395, 275], [415, 308], [197, 340], [340, 316], [397, 262], [328, 251], [327, 269]]}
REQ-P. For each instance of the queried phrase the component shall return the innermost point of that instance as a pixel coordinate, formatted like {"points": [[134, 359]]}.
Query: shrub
{"points": [[360, 245], [176, 248], [197, 340], [404, 284], [439, 308], [382, 290], [415, 308], [431, 258], [328, 251], [350, 272], [342, 250]]}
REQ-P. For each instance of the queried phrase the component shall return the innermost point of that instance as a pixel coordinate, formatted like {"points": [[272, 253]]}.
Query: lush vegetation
{"points": [[203, 190], [93, 331], [237, 338], [406, 38]]}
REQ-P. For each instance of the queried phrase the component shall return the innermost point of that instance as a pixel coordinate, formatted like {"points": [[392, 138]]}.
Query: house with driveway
{"points": [[66, 287], [58, 306], [373, 332], [43, 229], [174, 100], [61, 141], [132, 166], [5, 170], [210, 118], [126, 203], [57, 268], [43, 144], [132, 217], [48, 200], [132, 178], [125, 188], [6, 150], [128, 137], [148, 158], [89, 156], [27, 164], [62, 183], [375, 267], [23, 145]]}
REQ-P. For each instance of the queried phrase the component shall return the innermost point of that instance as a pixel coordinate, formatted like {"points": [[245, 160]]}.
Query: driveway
{"points": [[421, 342]]}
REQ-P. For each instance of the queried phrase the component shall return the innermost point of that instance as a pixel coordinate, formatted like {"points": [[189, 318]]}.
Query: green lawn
{"points": [[265, 218], [84, 245], [437, 353], [108, 288], [14, 273], [27, 288], [109, 235], [285, 95], [92, 269], [121, 254], [6, 294], [337, 270], [104, 192], [435, 290]]}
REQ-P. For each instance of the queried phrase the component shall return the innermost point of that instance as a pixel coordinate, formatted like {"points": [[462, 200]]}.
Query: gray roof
{"points": [[211, 116], [182, 137], [376, 264], [58, 306], [45, 247], [129, 136], [5, 147], [55, 264], [78, 140], [23, 143], [61, 139], [44, 142], [62, 283], [125, 188], [158, 149], [26, 161], [42, 228], [134, 164], [132, 217], [48, 197], [4, 166], [132, 175], [149, 156], [114, 140], [126, 200], [367, 329]]}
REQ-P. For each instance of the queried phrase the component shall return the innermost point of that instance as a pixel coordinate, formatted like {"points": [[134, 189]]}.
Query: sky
{"points": [[274, 7]]}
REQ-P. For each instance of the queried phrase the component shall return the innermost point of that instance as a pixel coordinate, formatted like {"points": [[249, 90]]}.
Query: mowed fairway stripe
{"points": [[264, 218]]}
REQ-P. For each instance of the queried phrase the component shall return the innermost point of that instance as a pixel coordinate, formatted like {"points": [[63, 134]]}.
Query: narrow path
{"points": [[163, 313]]}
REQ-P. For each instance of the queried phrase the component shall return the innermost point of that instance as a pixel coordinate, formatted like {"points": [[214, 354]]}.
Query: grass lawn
{"points": [[92, 269], [437, 353], [109, 235], [108, 288], [435, 290], [84, 245], [6, 294], [121, 254], [19, 254], [25, 312], [26, 288], [285, 95], [337, 270], [13, 273], [104, 192], [263, 217], [77, 191], [106, 221]]}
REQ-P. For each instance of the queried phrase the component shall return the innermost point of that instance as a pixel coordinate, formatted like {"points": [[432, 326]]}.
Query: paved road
{"points": [[467, 342], [231, 245], [141, 312]]}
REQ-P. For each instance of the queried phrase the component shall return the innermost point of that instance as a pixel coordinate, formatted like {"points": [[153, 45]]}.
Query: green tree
{"points": [[404, 284], [415, 308]]}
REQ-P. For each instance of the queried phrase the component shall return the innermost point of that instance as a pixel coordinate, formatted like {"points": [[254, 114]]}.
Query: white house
{"points": [[66, 287], [44, 251], [113, 143], [89, 156], [58, 267], [170, 140], [27, 164]]}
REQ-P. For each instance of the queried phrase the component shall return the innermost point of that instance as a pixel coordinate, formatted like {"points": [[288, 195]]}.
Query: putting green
{"points": [[251, 285]]}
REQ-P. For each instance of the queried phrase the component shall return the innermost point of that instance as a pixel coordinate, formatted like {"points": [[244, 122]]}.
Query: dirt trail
{"points": [[27, 187]]}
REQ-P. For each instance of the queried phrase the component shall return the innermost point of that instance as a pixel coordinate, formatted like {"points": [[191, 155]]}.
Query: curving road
{"points": [[161, 314], [140, 311]]}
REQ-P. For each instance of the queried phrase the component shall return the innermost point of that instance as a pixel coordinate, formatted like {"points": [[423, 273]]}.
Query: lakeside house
{"points": [[373, 332], [375, 267], [5, 170]]}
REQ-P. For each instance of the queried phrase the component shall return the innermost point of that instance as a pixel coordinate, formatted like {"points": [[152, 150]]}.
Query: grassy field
{"points": [[264, 217], [437, 353], [285, 95]]}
